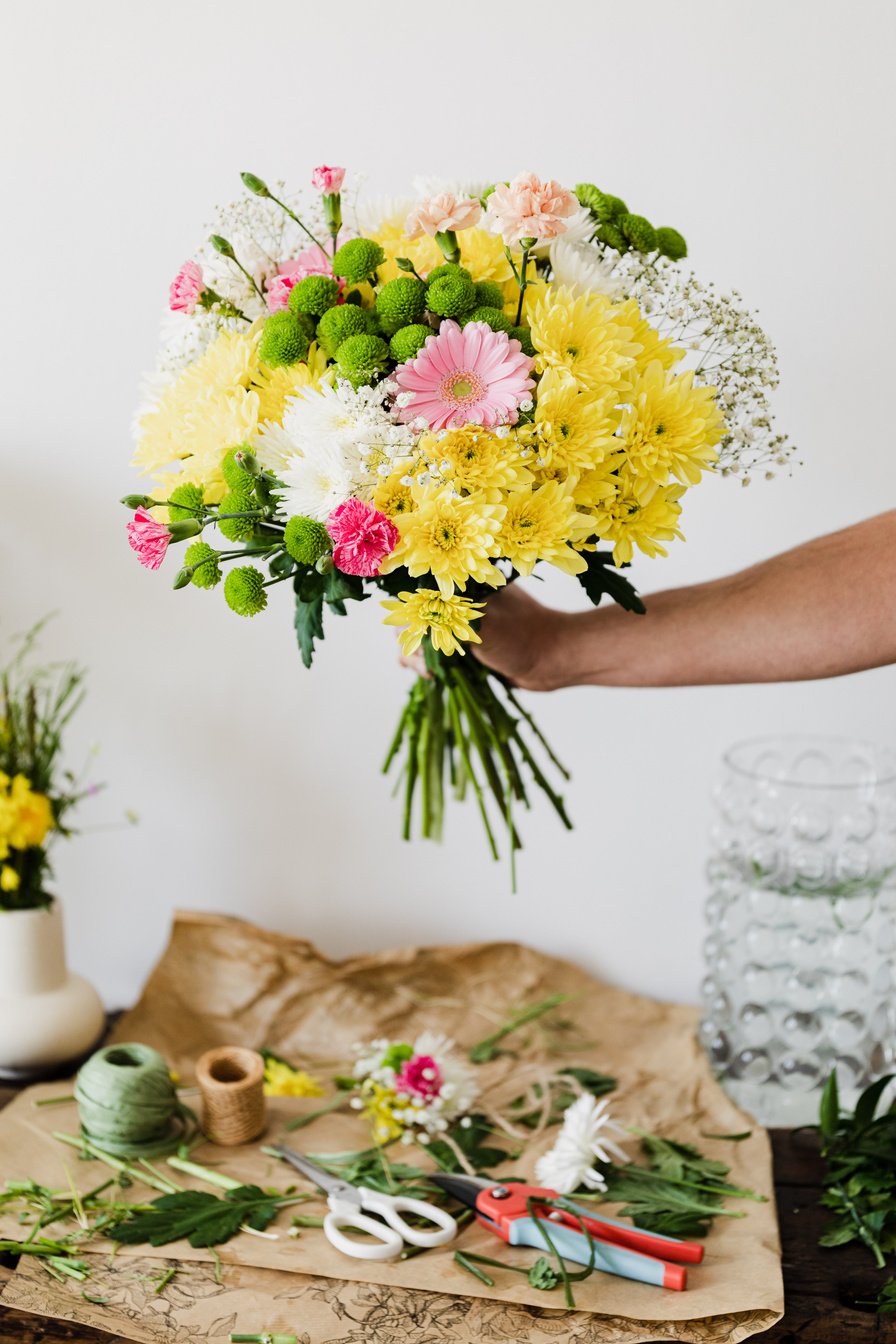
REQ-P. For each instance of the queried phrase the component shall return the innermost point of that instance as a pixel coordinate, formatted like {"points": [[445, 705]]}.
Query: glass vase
{"points": [[801, 923]]}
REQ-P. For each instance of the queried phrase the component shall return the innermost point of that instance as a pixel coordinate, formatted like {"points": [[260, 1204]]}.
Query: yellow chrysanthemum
{"points": [[671, 427], [451, 538], [592, 488], [474, 459], [641, 514], [275, 385], [576, 430], [392, 496], [281, 1080], [584, 337], [380, 1105], [480, 251], [539, 524], [447, 620], [653, 345]]}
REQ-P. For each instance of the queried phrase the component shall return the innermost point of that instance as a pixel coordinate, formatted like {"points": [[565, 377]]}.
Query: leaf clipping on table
{"points": [[202, 1218]]}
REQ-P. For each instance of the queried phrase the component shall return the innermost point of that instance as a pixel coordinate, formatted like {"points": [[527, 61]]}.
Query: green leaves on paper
{"points": [[202, 1218]]}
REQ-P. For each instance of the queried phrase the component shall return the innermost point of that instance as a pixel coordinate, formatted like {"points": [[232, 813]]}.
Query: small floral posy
{"points": [[430, 399], [412, 1091]]}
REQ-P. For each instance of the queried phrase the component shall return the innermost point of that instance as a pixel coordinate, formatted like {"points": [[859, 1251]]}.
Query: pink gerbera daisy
{"points": [[471, 375]]}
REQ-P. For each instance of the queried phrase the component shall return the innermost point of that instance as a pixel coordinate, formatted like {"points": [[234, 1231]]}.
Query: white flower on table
{"points": [[582, 1141]]}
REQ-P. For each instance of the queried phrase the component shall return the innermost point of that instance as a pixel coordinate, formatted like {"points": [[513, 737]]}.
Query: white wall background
{"points": [[764, 131]]}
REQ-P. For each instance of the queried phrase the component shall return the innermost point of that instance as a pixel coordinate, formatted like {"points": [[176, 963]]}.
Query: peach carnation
{"points": [[528, 207], [444, 213]]}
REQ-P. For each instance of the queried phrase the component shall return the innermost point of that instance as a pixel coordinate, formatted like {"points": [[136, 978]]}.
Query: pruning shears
{"points": [[520, 1214]]}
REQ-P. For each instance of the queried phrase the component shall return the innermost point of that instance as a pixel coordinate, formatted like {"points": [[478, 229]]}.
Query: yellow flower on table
{"points": [[452, 538], [539, 524], [282, 1080], [380, 1104], [447, 620], [671, 427]]}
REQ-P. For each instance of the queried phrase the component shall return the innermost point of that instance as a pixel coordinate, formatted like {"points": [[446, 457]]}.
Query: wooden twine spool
{"points": [[231, 1082]]}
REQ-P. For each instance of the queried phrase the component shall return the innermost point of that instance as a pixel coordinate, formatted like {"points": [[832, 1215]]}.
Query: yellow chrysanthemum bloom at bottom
{"points": [[641, 514], [445, 619], [539, 525], [452, 539]]}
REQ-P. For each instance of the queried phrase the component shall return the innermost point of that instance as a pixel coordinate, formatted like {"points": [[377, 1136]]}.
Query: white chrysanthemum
{"points": [[367, 215], [318, 415], [274, 448], [582, 1142], [579, 267], [461, 188], [322, 478]]}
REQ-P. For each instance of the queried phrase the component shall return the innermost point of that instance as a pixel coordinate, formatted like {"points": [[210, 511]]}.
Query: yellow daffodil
{"points": [[454, 539], [447, 620], [671, 427]]}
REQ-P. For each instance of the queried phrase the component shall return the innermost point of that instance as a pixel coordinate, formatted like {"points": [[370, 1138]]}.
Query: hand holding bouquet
{"points": [[432, 401]]}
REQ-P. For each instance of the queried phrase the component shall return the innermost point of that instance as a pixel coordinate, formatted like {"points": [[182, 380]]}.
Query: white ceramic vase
{"points": [[47, 1015]]}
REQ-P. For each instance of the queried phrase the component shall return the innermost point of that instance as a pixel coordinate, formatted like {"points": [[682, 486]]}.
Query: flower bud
{"points": [[183, 528], [139, 502], [221, 245], [248, 461], [182, 578], [528, 243], [324, 565], [254, 184]]}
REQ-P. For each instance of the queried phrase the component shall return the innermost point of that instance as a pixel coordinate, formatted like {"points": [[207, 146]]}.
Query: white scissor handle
{"points": [[391, 1207], [387, 1243]]}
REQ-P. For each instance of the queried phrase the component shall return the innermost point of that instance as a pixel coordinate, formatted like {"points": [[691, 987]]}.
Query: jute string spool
{"points": [[231, 1084]]}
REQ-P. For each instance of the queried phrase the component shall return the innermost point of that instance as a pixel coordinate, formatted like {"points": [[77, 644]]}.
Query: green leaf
{"points": [[839, 1234], [340, 588], [309, 621], [543, 1275], [867, 1102], [600, 578], [595, 1083], [203, 1218], [829, 1109], [470, 1139], [730, 1138]]}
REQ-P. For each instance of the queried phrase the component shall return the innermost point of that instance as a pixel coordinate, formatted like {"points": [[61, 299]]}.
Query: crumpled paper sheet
{"points": [[221, 981]]}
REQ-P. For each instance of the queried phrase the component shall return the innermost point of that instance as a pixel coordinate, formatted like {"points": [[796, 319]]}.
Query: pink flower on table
{"points": [[185, 288], [327, 180], [420, 1076], [465, 376], [148, 538], [442, 214], [362, 537], [529, 207]]}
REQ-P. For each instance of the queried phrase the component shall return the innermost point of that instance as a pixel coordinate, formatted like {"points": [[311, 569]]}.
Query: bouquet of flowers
{"points": [[413, 1091], [432, 398]]}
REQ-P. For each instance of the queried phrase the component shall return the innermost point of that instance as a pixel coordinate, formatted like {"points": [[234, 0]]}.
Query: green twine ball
{"points": [[238, 501], [671, 244], [127, 1102], [408, 342], [400, 303], [244, 591], [638, 231], [313, 295], [488, 294], [492, 317], [203, 560], [524, 336], [451, 295], [185, 501], [337, 324], [306, 540], [357, 259], [361, 359], [284, 340]]}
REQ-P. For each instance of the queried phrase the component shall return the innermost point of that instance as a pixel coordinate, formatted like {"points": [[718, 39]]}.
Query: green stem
{"points": [[204, 1174], [461, 743], [301, 1121], [296, 220], [484, 1050], [523, 284], [524, 713], [125, 1168]]}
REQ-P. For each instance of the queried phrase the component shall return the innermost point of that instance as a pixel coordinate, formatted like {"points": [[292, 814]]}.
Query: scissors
{"points": [[346, 1203], [619, 1248]]}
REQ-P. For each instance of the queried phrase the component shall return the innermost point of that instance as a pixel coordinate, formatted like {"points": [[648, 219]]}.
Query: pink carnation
{"points": [[148, 538], [328, 180], [465, 376], [421, 1076], [527, 207], [362, 537], [441, 214], [185, 288], [313, 261]]}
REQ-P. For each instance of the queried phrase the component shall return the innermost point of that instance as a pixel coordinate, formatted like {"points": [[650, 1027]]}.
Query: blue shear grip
{"points": [[573, 1245]]}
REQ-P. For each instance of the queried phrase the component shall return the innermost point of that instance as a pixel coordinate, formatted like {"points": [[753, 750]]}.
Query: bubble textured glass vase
{"points": [[801, 923]]}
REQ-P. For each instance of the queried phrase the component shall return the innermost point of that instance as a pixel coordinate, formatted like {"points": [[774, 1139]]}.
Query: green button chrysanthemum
{"points": [[357, 259], [236, 502], [451, 295], [306, 540], [185, 501], [284, 340], [613, 237], [244, 591], [361, 359], [408, 342], [638, 231], [203, 560], [492, 317], [337, 324], [313, 295], [671, 244], [489, 295], [601, 204], [451, 268], [400, 303]]}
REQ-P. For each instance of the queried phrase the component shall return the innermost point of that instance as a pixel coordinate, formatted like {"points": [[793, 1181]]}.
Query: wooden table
{"points": [[821, 1287]]}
